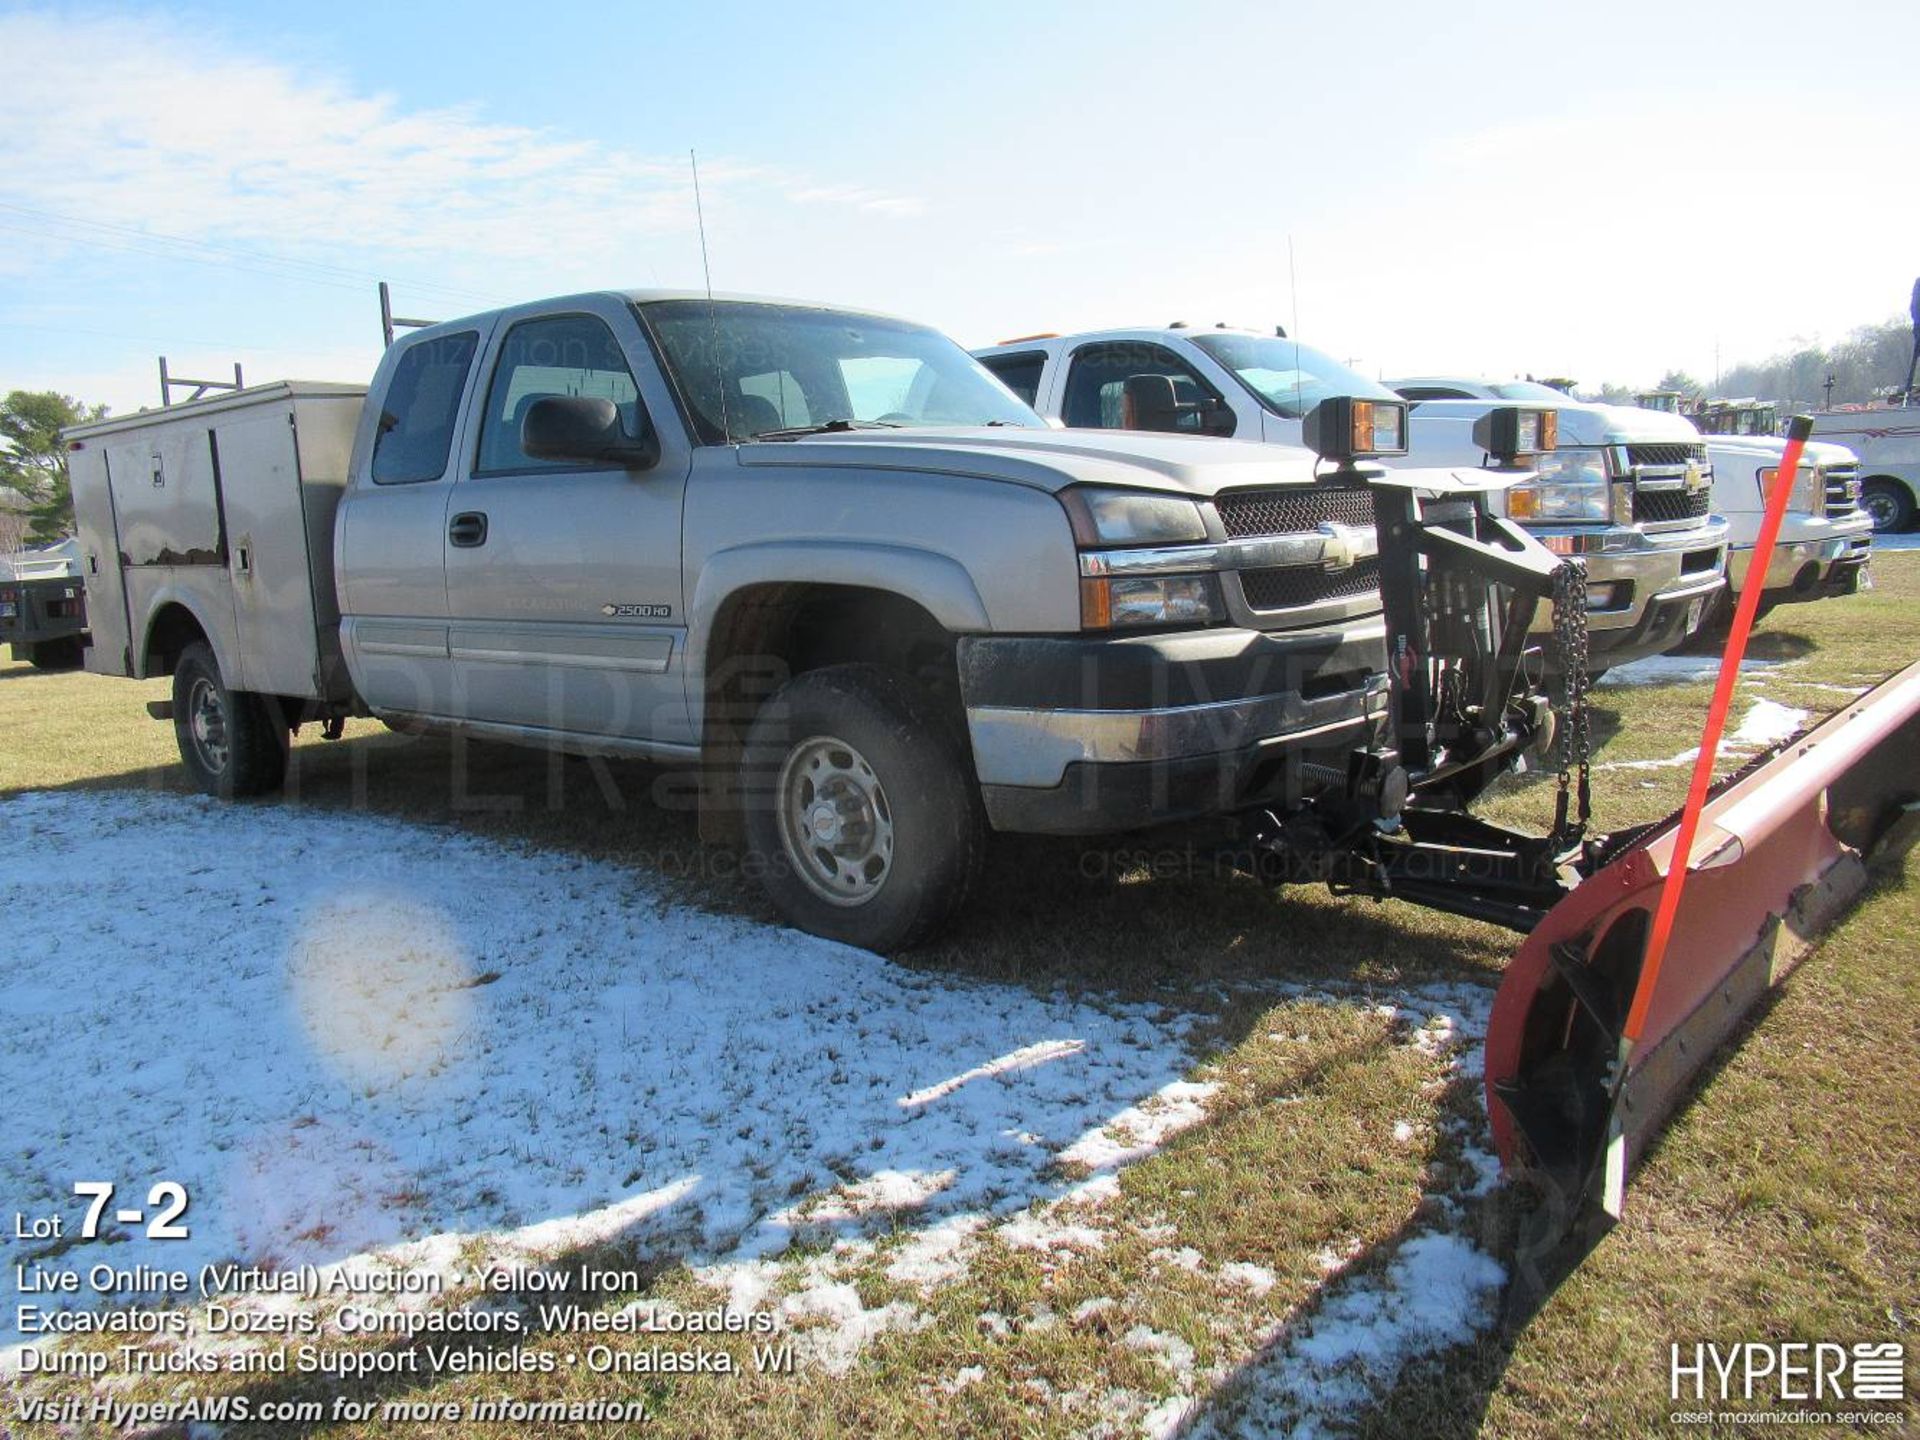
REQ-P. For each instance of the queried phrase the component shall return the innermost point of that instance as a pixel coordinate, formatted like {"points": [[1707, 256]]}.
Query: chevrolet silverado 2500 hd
{"points": [[1826, 538], [1627, 490], [818, 554]]}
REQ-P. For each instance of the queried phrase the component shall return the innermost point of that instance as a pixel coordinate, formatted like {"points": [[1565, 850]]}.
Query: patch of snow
{"points": [[1170, 1350], [1185, 1258], [1768, 722], [1164, 1420], [963, 1377], [1908, 540], [1678, 670], [1438, 1291], [1403, 1132], [1086, 1310], [936, 1254], [344, 1033], [1256, 1278], [1041, 1230], [1142, 1129]]}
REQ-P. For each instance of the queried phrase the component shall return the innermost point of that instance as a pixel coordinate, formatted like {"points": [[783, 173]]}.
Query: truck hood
{"points": [[1581, 422], [1048, 459], [1766, 449]]}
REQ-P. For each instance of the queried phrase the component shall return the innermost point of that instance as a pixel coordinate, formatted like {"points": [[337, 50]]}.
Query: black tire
{"points": [[239, 744], [1890, 504], [907, 833], [62, 654]]}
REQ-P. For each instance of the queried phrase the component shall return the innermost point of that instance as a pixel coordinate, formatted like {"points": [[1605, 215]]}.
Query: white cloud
{"points": [[140, 124]]}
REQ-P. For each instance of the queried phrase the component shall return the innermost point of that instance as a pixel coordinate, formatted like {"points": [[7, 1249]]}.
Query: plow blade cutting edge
{"points": [[1780, 852]]}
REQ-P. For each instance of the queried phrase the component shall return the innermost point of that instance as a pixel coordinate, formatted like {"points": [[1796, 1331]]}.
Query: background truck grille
{"points": [[1840, 483], [1291, 585], [1676, 453], [1664, 505], [1294, 509]]}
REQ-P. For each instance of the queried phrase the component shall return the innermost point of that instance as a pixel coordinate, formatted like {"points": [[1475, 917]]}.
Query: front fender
{"points": [[937, 583]]}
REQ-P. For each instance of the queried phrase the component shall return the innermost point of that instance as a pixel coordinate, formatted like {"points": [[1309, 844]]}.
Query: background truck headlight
{"points": [[1570, 485], [1132, 517], [1809, 495]]}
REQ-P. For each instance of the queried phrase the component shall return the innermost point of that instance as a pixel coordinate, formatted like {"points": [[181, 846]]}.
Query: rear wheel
{"points": [[232, 741], [861, 813], [1889, 503]]}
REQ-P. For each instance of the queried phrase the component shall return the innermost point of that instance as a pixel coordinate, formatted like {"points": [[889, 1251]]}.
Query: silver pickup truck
{"points": [[817, 554]]}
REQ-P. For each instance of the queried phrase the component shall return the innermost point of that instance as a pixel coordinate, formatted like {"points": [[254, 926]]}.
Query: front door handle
{"points": [[467, 530]]}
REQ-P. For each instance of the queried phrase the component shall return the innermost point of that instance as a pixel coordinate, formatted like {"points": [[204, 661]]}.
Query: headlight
{"points": [[1809, 495], [1107, 604], [1131, 517], [1571, 485]]}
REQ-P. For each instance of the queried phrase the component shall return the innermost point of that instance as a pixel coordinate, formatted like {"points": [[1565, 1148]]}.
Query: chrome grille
{"points": [[1659, 506], [1292, 585], [1296, 508], [1676, 453], [1843, 494]]}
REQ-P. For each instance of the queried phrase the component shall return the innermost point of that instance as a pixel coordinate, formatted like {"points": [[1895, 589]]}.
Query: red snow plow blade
{"points": [[1780, 853]]}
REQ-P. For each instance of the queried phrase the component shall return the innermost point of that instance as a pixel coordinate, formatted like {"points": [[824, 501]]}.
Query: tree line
{"points": [[1863, 367]]}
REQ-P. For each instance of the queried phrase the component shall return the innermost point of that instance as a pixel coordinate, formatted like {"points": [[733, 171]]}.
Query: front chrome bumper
{"points": [[1646, 568], [1815, 556]]}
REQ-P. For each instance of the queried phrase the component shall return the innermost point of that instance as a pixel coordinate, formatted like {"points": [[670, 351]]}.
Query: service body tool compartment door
{"points": [[563, 582], [99, 559], [281, 472], [165, 485], [389, 534]]}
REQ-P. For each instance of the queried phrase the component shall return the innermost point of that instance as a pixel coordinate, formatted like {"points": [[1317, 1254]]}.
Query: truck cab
{"points": [[1628, 490]]}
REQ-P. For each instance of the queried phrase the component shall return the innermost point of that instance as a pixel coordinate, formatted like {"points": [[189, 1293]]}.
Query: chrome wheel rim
{"points": [[207, 724], [835, 823], [1879, 508]]}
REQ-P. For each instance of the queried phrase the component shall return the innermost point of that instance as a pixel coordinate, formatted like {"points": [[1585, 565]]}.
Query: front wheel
{"points": [[1889, 505], [861, 813], [233, 742]]}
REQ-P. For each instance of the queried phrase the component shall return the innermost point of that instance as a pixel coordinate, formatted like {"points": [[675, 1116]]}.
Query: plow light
{"points": [[1342, 428], [1514, 433]]}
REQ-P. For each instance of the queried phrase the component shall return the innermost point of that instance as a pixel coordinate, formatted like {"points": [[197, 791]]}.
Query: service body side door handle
{"points": [[467, 529]]}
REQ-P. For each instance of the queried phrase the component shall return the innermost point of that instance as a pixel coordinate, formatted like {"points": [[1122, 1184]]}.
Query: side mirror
{"points": [[584, 429], [1148, 403]]}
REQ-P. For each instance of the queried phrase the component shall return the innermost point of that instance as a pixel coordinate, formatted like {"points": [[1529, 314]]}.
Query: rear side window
{"points": [[423, 404], [554, 355], [1019, 373]]}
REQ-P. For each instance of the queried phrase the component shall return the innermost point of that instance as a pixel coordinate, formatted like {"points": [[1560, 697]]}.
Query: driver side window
{"points": [[553, 355], [1097, 382]]}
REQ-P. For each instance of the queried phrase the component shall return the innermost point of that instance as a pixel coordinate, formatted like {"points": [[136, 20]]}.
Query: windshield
{"points": [[1285, 376], [769, 368]]}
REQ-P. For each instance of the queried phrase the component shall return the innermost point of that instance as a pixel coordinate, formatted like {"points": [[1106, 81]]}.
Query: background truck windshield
{"points": [[781, 366], [1287, 377]]}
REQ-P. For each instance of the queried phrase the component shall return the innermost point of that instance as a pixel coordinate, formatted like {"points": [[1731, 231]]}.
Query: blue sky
{"points": [[1601, 192]]}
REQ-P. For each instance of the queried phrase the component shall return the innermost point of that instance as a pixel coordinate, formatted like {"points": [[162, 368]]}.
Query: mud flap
{"points": [[1782, 850]]}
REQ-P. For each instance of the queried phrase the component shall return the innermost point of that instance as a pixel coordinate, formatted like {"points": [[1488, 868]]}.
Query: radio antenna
{"points": [[713, 319], [1293, 287]]}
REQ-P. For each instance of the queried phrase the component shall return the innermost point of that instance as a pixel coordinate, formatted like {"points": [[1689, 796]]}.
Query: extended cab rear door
{"points": [[563, 582]]}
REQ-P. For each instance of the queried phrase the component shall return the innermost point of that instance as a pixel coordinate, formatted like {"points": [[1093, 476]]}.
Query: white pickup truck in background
{"points": [[1628, 490], [1825, 539]]}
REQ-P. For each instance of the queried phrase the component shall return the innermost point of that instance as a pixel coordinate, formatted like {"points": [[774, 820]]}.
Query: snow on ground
{"points": [[1910, 540], [376, 1044], [1768, 722], [1678, 670], [341, 1032]]}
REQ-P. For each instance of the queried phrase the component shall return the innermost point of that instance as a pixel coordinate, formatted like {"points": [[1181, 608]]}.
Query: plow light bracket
{"points": [[1343, 428], [1513, 434]]}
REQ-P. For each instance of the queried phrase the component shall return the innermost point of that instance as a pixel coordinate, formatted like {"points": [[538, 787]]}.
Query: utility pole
{"points": [[1827, 385]]}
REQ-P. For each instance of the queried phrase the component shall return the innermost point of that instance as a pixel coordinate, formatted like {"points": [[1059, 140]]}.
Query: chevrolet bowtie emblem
{"points": [[1341, 546]]}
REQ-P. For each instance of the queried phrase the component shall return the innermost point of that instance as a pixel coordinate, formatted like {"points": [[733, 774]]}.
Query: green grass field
{"points": [[1782, 1204]]}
